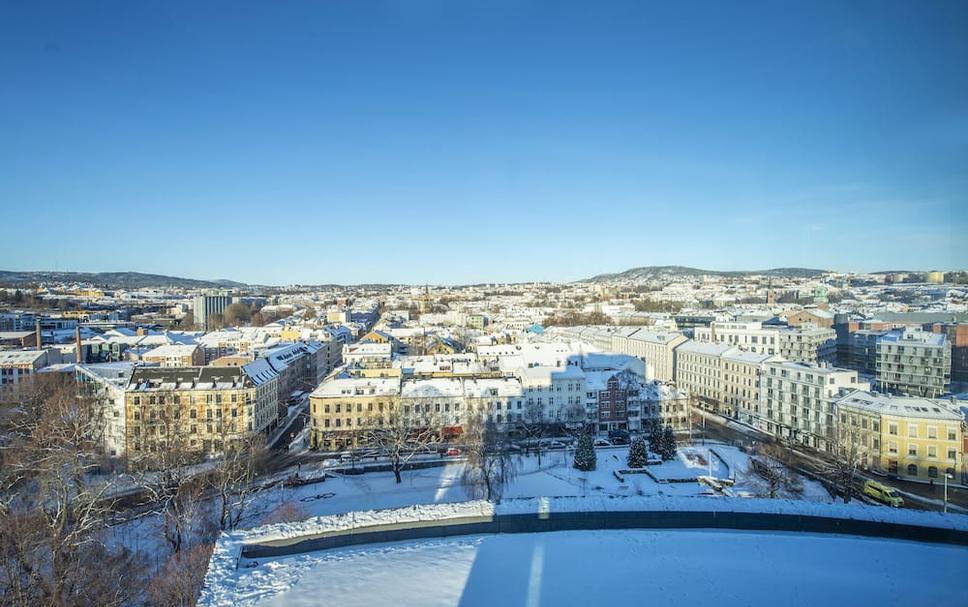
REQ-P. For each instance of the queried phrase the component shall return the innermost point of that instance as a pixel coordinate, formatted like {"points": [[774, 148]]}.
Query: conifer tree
{"points": [[637, 453], [585, 458]]}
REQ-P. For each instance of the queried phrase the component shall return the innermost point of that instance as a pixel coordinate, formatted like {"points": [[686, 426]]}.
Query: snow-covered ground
{"points": [[556, 477], [615, 567]]}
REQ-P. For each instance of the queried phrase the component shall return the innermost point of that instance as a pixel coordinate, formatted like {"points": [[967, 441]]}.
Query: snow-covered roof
{"points": [[358, 386], [446, 387], [900, 406]]}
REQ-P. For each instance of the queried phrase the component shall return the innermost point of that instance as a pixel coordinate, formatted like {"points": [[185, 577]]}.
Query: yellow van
{"points": [[883, 493]]}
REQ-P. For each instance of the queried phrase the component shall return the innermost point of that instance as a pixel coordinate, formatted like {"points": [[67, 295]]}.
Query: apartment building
{"points": [[501, 400], [192, 408], [722, 378], [912, 438], [805, 343], [19, 365], [551, 379], [797, 401], [439, 401], [741, 373], [656, 348], [106, 382], [957, 335], [913, 362], [698, 371], [368, 354], [341, 407], [176, 355]]}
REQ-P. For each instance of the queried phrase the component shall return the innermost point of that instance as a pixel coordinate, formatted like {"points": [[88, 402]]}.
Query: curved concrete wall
{"points": [[571, 521]]}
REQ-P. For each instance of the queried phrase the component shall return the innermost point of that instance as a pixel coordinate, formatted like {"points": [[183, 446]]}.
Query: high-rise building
{"points": [[208, 305]]}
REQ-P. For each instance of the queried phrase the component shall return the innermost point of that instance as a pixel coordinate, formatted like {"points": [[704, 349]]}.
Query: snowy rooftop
{"points": [[357, 386], [444, 387], [900, 406], [172, 350]]}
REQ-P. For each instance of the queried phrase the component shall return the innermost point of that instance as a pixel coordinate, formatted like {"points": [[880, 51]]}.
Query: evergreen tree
{"points": [[669, 446], [655, 437], [638, 455], [585, 458]]}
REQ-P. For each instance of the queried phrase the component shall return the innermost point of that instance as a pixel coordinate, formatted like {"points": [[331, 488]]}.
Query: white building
{"points": [[797, 401]]}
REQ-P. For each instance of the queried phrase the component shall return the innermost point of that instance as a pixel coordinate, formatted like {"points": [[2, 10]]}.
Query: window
{"points": [[952, 434], [912, 470], [932, 472], [892, 429], [913, 450], [912, 431], [952, 454], [932, 451], [932, 432]]}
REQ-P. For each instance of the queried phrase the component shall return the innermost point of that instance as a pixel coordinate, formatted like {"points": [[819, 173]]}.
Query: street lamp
{"points": [[946, 477]]}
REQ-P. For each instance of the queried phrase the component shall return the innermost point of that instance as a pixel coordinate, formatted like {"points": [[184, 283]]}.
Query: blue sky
{"points": [[456, 142]]}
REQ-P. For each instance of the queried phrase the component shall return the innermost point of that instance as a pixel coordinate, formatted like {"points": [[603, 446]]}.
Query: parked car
{"points": [[618, 437], [452, 452], [601, 442], [883, 493]]}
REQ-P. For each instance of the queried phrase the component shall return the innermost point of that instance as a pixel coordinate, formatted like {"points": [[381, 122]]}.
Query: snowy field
{"points": [[616, 567]]}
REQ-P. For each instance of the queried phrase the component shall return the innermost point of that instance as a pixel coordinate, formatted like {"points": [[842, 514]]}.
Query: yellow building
{"points": [[936, 277], [907, 437], [195, 409], [341, 408]]}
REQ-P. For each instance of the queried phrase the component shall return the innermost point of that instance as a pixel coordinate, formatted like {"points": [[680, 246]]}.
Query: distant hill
{"points": [[646, 273], [123, 280]]}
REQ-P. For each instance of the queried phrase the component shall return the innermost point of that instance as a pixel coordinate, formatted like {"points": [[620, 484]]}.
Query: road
{"points": [[919, 496]]}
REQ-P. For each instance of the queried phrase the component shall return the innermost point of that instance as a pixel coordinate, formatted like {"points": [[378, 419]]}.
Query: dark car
{"points": [[618, 437]]}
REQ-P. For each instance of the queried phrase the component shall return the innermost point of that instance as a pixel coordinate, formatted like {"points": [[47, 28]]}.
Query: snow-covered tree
{"points": [[638, 453], [669, 446], [585, 458]]}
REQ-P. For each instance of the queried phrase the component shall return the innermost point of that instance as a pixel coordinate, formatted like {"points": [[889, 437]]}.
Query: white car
{"points": [[601, 442]]}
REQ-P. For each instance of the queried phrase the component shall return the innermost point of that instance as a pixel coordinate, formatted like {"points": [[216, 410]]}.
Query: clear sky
{"points": [[455, 142]]}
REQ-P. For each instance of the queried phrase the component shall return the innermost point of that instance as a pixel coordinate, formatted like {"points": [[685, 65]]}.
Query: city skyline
{"points": [[441, 143]]}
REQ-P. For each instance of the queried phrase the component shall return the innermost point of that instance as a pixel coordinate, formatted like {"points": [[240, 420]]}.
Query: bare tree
{"points": [[849, 451], [180, 580], [168, 468], [53, 513], [401, 436], [187, 514], [490, 465], [770, 464], [233, 478], [533, 424]]}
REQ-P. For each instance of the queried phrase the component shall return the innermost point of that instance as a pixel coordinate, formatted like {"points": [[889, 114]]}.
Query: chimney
{"points": [[79, 355], [40, 342]]}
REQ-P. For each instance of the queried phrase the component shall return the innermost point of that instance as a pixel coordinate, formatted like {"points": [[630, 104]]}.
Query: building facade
{"points": [[913, 362], [907, 437]]}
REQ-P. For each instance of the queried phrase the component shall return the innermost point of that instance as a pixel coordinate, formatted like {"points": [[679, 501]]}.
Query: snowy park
{"points": [[555, 477]]}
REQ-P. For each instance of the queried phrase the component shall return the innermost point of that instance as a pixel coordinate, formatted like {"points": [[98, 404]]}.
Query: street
{"points": [[919, 496]]}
